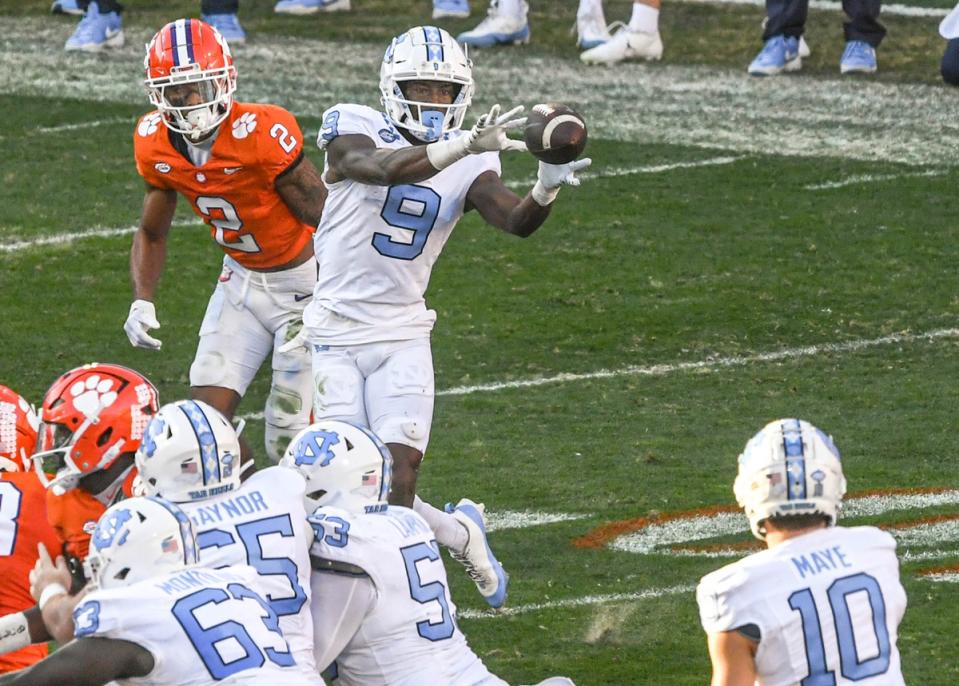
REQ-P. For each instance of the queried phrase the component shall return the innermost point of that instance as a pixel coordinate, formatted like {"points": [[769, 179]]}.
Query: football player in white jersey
{"points": [[822, 604], [190, 455], [398, 181], [382, 607], [155, 618]]}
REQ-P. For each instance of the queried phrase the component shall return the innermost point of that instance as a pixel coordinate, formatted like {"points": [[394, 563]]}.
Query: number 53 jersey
{"points": [[234, 191], [202, 626], [377, 244], [827, 606]]}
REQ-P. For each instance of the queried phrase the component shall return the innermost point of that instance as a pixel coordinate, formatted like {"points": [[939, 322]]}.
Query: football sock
{"points": [[644, 19], [513, 8], [449, 532], [589, 7]]}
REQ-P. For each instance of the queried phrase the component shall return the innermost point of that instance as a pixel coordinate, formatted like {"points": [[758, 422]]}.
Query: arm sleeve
{"points": [[345, 602]]}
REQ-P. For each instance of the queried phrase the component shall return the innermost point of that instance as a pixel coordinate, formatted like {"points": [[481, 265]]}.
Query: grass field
{"points": [[741, 250]]}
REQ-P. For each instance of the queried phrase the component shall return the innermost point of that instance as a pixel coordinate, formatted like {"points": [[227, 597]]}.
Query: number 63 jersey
{"points": [[377, 244], [827, 606], [202, 626], [234, 191]]}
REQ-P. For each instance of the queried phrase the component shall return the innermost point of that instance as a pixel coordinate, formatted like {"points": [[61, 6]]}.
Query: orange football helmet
{"points": [[190, 76], [90, 416], [18, 431]]}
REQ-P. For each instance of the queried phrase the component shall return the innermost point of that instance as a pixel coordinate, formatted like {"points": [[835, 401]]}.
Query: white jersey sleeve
{"points": [[263, 524], [377, 245], [201, 626], [409, 636], [828, 602]]}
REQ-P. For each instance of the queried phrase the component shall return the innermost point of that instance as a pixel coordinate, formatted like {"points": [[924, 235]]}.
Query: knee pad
{"points": [[285, 414], [208, 369], [411, 431]]}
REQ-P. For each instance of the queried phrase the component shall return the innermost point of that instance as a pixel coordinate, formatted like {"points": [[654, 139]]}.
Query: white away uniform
{"points": [[368, 324], [407, 635], [263, 524], [202, 626], [827, 602]]}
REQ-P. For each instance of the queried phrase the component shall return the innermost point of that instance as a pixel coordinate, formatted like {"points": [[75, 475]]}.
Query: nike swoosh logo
{"points": [[301, 298], [231, 170]]}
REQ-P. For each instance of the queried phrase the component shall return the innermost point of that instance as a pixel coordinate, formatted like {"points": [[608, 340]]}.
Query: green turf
{"points": [[683, 266]]}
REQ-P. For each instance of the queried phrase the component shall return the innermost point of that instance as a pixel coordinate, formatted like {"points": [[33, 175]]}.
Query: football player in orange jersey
{"points": [[23, 525], [242, 168], [91, 423]]}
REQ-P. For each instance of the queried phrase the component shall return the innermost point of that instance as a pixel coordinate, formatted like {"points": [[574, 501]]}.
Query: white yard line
{"points": [[613, 172], [73, 236], [86, 125], [870, 178], [507, 519], [576, 602]]}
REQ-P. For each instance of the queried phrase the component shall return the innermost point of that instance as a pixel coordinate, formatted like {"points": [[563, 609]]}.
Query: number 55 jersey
{"points": [[202, 626], [826, 607]]}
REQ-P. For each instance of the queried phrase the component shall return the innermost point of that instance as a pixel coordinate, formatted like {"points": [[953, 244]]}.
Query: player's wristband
{"points": [[542, 195], [444, 153], [49, 592], [14, 633]]}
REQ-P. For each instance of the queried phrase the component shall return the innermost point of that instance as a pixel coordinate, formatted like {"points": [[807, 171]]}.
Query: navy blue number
{"points": [[850, 665], [410, 207], [341, 528], [803, 602], [427, 593], [250, 533], [205, 640]]}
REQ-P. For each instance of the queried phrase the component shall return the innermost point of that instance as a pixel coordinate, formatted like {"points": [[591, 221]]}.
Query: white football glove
{"points": [[141, 319], [489, 134], [551, 177]]}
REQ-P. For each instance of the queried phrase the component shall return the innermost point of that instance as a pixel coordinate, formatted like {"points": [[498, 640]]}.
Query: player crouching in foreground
{"points": [[823, 603], [381, 603], [190, 455], [156, 618]]}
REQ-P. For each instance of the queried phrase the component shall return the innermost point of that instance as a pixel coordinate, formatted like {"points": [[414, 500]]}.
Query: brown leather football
{"points": [[555, 133]]}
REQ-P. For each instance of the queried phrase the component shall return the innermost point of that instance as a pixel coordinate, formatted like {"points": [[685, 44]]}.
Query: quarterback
{"points": [[399, 180], [242, 169], [822, 604]]}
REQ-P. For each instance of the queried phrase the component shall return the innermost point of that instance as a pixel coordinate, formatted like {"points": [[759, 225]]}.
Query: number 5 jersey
{"points": [[826, 606]]}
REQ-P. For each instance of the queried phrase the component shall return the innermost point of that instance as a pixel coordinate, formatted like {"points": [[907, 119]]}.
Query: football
{"points": [[555, 133]]}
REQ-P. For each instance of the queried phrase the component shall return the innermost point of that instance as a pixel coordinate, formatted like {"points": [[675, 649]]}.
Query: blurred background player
{"points": [[242, 168], [190, 455], [311, 6], [382, 606], [506, 23], [399, 181], [949, 29], [101, 25], [638, 39], [23, 525], [783, 45], [152, 617], [822, 604], [91, 422]]}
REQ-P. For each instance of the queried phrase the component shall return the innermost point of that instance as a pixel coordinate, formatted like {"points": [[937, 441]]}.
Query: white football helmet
{"points": [[189, 452], [137, 539], [344, 465], [789, 468], [425, 53]]}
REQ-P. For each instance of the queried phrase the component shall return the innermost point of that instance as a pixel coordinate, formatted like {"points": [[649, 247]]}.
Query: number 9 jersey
{"points": [[233, 191], [826, 607]]}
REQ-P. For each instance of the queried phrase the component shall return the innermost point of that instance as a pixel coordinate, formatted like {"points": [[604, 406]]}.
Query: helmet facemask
{"points": [[194, 102]]}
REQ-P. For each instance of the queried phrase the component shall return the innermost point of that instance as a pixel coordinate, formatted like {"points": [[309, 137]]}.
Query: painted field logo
{"points": [[688, 533]]}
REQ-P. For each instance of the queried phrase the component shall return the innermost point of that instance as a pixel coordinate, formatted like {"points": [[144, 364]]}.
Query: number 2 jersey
{"points": [[827, 602], [234, 191], [263, 524], [202, 626], [409, 636], [377, 244]]}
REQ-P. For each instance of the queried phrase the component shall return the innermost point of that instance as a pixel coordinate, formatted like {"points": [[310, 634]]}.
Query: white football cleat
{"points": [[804, 50], [499, 28], [591, 29], [481, 565], [300, 7], [625, 45]]}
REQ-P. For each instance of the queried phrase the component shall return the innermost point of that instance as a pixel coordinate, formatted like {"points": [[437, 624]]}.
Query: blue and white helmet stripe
{"points": [[795, 460], [206, 441], [434, 44]]}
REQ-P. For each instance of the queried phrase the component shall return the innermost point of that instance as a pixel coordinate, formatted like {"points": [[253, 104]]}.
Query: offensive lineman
{"points": [[242, 168], [822, 604], [399, 181]]}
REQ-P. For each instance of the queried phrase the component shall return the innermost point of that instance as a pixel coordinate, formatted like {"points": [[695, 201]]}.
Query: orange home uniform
{"points": [[234, 192], [23, 524]]}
